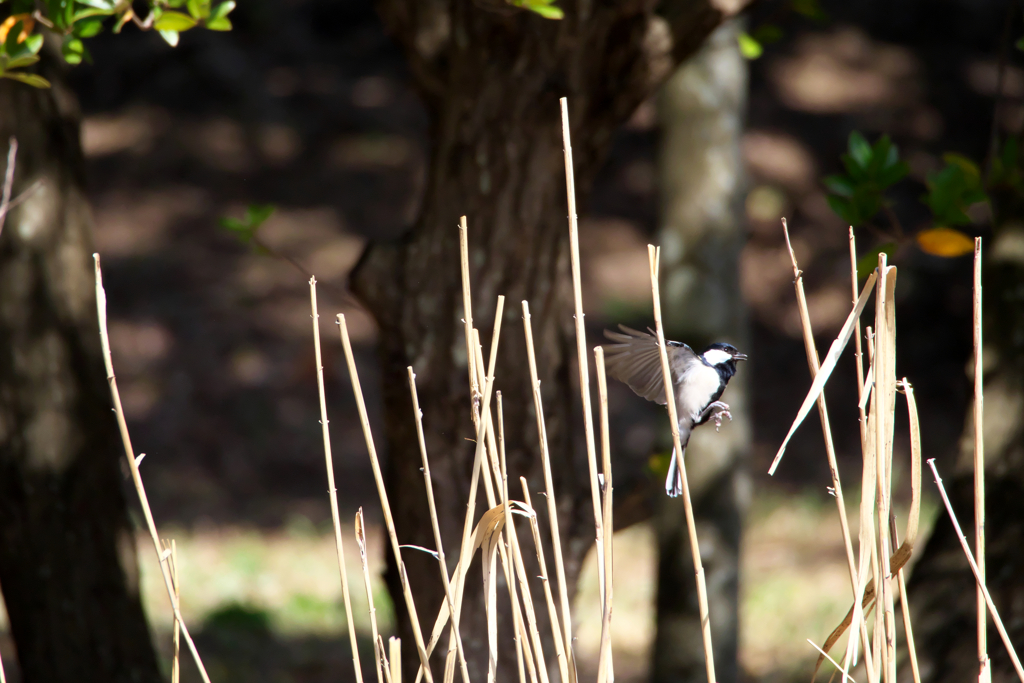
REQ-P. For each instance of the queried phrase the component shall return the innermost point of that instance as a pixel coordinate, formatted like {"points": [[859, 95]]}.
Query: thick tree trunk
{"points": [[67, 554], [701, 109], [492, 82]]}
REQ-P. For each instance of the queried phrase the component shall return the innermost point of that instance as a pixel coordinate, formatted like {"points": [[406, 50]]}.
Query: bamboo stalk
{"points": [[549, 496], [670, 400], [332, 490], [581, 344], [378, 646], [429, 485], [133, 465], [605, 666], [977, 576], [814, 365], [385, 505], [984, 672]]}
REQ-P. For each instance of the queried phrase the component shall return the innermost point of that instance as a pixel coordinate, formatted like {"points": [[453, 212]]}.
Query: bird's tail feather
{"points": [[674, 481]]}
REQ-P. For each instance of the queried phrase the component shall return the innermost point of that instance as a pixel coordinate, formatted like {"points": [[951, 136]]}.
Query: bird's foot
{"points": [[719, 411]]}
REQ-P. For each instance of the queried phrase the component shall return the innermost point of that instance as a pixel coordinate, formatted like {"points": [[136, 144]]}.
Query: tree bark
{"points": [[701, 110], [67, 553], [492, 82]]}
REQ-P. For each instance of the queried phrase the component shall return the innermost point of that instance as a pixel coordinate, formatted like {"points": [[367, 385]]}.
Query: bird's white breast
{"points": [[698, 386]]}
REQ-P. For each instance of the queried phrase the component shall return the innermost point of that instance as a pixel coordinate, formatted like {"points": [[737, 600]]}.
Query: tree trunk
{"points": [[492, 81], [942, 595], [701, 110], [67, 553]]}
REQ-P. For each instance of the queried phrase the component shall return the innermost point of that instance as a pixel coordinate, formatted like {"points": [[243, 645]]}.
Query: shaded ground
{"points": [[306, 106]]}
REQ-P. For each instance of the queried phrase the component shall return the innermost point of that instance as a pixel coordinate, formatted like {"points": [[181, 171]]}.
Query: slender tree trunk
{"points": [[492, 80], [67, 553], [701, 109]]}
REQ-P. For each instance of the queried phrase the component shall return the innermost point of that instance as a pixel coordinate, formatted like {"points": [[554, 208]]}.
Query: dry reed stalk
{"points": [[883, 404], [3, 676], [846, 676], [549, 496], [378, 649], [385, 505], [977, 576], [605, 666], [670, 400], [908, 627], [429, 485], [176, 638], [813, 364], [581, 343], [517, 559], [858, 349], [556, 634], [827, 366], [984, 673], [467, 311], [395, 659], [332, 491], [385, 663], [133, 464]]}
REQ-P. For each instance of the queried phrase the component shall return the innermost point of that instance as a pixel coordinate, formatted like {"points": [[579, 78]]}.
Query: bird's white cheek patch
{"points": [[716, 356]]}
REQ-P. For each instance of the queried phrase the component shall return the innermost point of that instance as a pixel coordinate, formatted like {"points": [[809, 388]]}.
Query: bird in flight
{"points": [[698, 379]]}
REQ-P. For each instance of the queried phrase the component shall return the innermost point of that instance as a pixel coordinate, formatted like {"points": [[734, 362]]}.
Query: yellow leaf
{"points": [[944, 242], [26, 26]]}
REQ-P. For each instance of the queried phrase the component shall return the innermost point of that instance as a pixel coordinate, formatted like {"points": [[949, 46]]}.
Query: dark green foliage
{"points": [[953, 189], [859, 194]]}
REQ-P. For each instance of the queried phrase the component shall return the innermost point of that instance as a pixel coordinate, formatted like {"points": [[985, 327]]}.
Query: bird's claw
{"points": [[720, 411]]}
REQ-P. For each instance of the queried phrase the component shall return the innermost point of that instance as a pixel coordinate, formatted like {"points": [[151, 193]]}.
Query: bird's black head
{"points": [[723, 357]]}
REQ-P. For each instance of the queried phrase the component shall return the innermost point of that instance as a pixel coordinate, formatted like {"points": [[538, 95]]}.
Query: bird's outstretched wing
{"points": [[634, 358]]}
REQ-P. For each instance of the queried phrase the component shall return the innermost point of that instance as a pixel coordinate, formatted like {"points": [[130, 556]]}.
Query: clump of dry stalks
{"points": [[494, 534], [877, 574]]}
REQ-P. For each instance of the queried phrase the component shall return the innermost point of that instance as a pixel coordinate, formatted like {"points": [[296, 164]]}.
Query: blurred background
{"points": [[307, 105]]}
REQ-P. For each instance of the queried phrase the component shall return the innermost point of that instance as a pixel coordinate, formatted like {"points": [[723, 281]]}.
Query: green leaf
{"points": [[73, 50], [222, 10], [841, 185], [953, 190], [1019, 44], [869, 261], [174, 21], [88, 28], [860, 150], [35, 80], [199, 9], [548, 11], [170, 37], [257, 214], [749, 47], [21, 62], [99, 4], [844, 208], [33, 43], [246, 228], [220, 24], [809, 8], [86, 13]]}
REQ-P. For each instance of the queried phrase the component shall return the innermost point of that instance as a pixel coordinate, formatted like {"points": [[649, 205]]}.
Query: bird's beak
{"points": [[739, 356]]}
